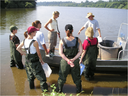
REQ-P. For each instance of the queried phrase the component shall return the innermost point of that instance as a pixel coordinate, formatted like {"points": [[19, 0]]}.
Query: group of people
{"points": [[70, 49]]}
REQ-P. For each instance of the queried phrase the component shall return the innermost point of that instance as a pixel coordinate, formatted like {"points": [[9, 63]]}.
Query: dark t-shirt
{"points": [[15, 39]]}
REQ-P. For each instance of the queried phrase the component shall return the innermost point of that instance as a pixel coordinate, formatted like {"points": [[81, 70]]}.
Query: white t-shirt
{"points": [[92, 23], [32, 48], [39, 37], [53, 25]]}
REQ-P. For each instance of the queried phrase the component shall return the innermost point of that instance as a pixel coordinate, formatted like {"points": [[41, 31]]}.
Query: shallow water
{"points": [[14, 81]]}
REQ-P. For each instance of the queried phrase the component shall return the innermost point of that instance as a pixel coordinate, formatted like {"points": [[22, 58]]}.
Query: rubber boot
{"points": [[12, 63], [31, 84], [44, 86], [20, 65], [78, 89], [60, 88]]}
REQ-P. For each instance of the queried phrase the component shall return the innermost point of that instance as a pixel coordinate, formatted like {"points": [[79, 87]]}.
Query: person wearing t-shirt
{"points": [[39, 37], [16, 57], [91, 23], [89, 54]]}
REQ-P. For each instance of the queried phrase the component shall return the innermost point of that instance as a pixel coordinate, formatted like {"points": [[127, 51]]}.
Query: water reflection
{"points": [[18, 17], [109, 91], [19, 80]]}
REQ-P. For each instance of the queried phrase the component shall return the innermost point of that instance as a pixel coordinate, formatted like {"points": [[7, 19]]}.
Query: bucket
{"points": [[108, 50]]}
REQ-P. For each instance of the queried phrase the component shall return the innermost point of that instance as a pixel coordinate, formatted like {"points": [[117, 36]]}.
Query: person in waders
{"points": [[16, 57], [52, 34], [33, 59], [89, 54], [40, 39], [70, 49]]}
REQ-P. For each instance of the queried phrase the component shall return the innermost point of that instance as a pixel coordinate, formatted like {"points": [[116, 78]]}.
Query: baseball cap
{"points": [[13, 27], [32, 29]]}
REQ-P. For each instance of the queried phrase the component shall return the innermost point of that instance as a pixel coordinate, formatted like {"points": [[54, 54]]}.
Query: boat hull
{"points": [[104, 65]]}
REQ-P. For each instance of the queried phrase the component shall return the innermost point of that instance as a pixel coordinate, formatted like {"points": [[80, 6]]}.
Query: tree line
{"points": [[121, 4], [18, 4]]}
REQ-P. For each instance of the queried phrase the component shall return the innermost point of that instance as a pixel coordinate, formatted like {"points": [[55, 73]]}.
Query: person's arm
{"points": [[80, 51], [63, 56], [19, 48], [35, 44], [80, 30], [82, 55], [45, 48], [61, 51], [16, 45], [16, 41], [46, 25], [99, 32]]}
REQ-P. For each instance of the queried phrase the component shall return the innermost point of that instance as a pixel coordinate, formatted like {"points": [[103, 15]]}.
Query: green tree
{"points": [[29, 5]]}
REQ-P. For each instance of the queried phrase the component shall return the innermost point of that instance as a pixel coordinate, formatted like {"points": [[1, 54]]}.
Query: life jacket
{"points": [[70, 52], [31, 57], [91, 53]]}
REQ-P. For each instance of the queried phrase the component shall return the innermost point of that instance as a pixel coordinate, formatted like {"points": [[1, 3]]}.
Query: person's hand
{"points": [[70, 63], [52, 30], [47, 51], [42, 62], [80, 61], [72, 60], [58, 34], [79, 32]]}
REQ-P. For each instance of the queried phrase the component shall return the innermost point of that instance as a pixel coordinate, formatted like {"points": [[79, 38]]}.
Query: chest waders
{"points": [[16, 57], [34, 69], [89, 60], [70, 52]]}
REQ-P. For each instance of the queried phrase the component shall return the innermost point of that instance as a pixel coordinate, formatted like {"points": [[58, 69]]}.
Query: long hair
{"points": [[69, 33], [26, 34], [35, 24]]}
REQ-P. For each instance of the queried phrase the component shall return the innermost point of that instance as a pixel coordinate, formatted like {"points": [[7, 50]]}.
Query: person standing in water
{"points": [[53, 31], [91, 23], [33, 59], [16, 57], [40, 39], [70, 49], [89, 54]]}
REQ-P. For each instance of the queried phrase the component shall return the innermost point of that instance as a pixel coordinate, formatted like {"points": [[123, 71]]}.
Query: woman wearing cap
{"points": [[89, 54], [33, 59], [16, 57], [53, 31], [39, 37], [70, 49], [91, 23]]}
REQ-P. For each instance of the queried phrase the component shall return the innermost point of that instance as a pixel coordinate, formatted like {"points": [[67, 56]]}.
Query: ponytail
{"points": [[25, 34], [69, 32], [35, 24], [69, 29]]}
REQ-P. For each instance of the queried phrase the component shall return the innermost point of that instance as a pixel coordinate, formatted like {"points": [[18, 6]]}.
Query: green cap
{"points": [[13, 28]]}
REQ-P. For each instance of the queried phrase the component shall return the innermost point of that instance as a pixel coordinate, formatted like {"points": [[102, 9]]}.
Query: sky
{"points": [[78, 1]]}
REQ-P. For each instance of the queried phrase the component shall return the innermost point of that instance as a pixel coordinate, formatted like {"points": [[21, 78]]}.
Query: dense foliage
{"points": [[18, 3], [121, 4]]}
